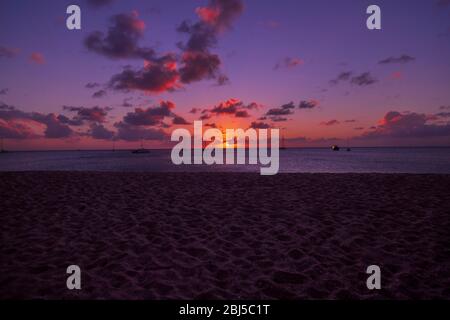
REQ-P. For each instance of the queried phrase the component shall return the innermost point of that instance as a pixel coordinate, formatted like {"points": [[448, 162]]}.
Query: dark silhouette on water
{"points": [[335, 147], [283, 143], [141, 150], [1, 146]]}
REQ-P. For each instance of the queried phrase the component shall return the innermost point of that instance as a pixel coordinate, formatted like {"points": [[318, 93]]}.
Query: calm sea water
{"points": [[388, 160]]}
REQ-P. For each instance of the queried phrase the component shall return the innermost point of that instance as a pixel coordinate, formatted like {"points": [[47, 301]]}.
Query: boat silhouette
{"points": [[1, 146], [141, 149]]}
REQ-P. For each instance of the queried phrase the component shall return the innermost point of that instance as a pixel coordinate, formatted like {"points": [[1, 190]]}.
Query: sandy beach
{"points": [[224, 235]]}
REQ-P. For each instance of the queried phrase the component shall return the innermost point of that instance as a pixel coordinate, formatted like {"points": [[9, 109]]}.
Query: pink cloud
{"points": [[37, 58], [397, 75]]}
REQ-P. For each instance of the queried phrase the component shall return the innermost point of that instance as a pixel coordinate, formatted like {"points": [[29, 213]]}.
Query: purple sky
{"points": [[148, 70]]}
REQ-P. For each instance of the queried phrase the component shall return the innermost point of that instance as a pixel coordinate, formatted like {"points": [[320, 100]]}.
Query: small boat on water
{"points": [[1, 147], [335, 147], [283, 143], [141, 149]]}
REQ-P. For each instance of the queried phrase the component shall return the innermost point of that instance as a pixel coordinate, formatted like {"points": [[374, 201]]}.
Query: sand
{"points": [[224, 235]]}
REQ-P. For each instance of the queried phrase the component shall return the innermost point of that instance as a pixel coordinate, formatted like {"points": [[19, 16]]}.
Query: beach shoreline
{"points": [[138, 235]]}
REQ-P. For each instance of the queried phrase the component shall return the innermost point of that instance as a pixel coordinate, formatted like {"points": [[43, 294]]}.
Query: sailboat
{"points": [[283, 143], [142, 149], [1, 146]]}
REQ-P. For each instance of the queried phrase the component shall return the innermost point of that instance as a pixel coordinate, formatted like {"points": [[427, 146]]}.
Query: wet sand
{"points": [[224, 235]]}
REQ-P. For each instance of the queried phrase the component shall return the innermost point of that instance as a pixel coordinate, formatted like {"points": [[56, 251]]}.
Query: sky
{"points": [[137, 70]]}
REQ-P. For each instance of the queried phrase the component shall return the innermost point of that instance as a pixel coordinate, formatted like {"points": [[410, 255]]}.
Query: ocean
{"points": [[381, 160]]}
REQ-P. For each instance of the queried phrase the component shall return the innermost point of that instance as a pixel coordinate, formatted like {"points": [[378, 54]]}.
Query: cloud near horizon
{"points": [[409, 124], [17, 124], [231, 107]]}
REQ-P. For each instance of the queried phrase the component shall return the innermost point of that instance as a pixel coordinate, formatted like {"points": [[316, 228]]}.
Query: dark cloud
{"points": [[54, 128], [4, 91], [8, 52], [329, 123], [443, 114], [259, 125], [404, 58], [154, 78], [279, 111], [198, 62], [72, 122], [198, 66], [201, 36], [252, 105], [160, 74], [151, 116], [98, 131], [4, 106], [289, 105], [178, 120], [135, 125], [126, 103], [278, 119], [164, 125], [222, 80], [205, 116], [358, 128], [99, 94], [92, 85], [242, 114], [12, 130], [232, 107], [444, 108], [350, 121], [364, 79], [396, 124], [194, 110], [94, 114], [343, 76], [14, 123], [310, 104], [278, 114], [121, 40], [288, 63], [11, 125]]}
